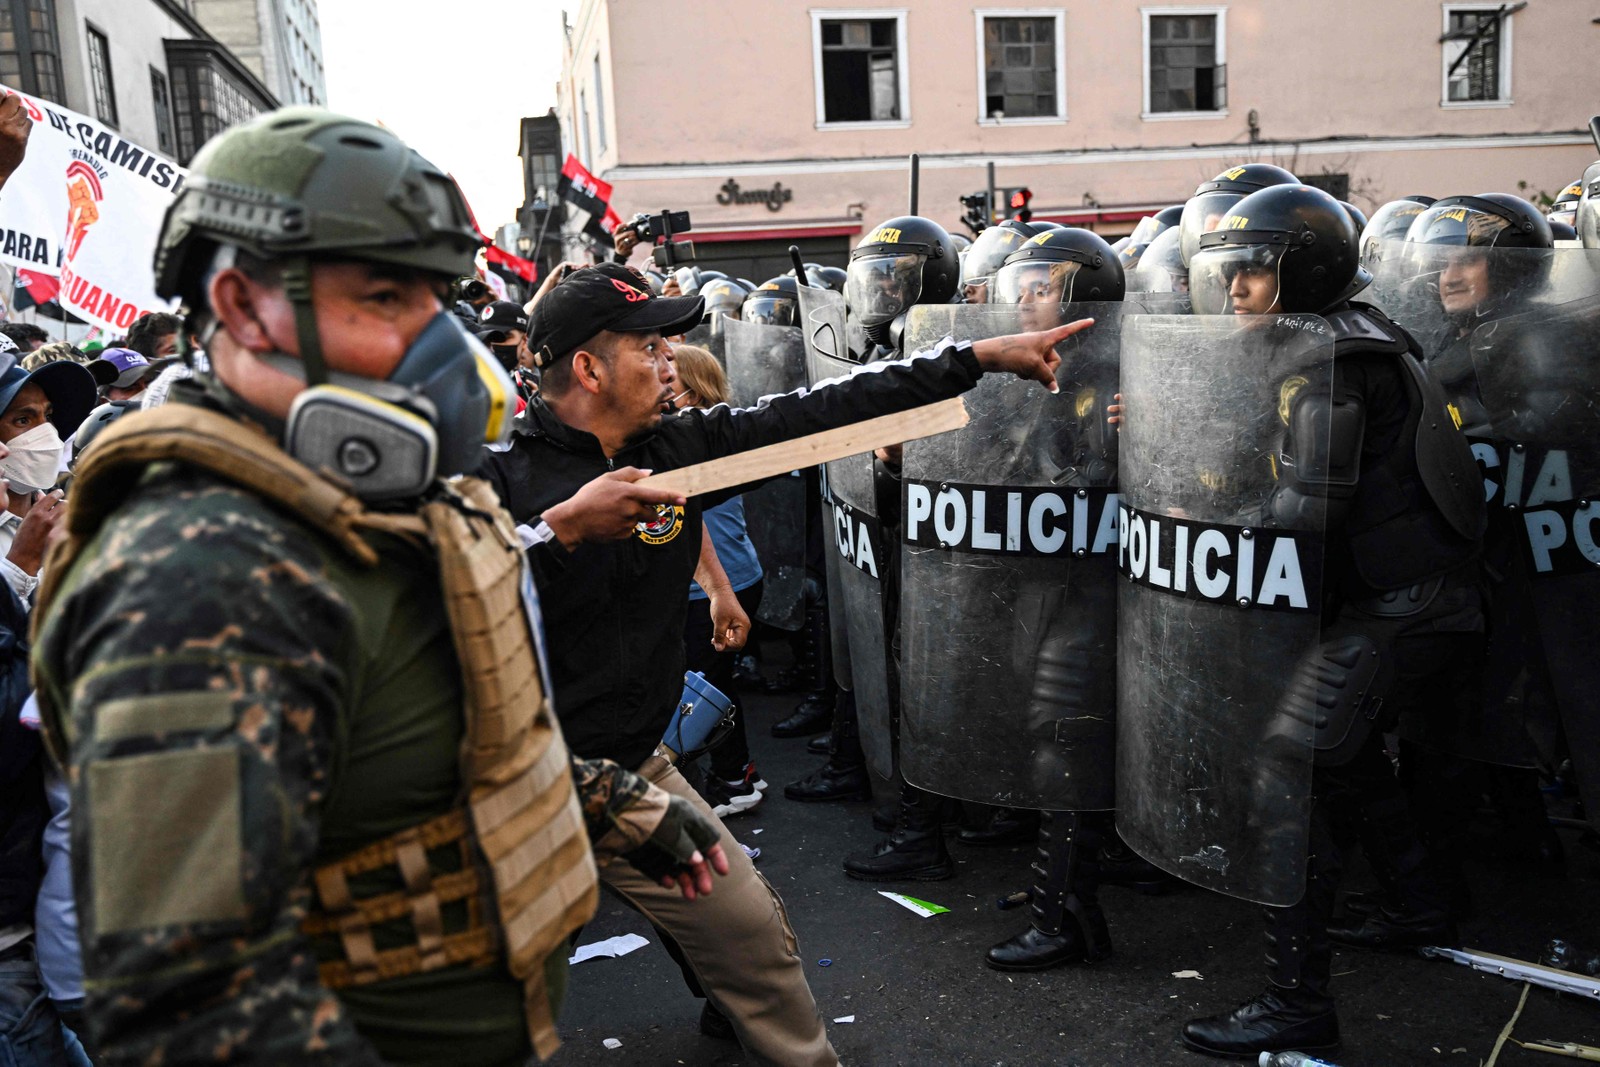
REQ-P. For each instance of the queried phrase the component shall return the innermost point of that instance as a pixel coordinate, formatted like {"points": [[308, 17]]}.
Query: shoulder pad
{"points": [[1367, 329]]}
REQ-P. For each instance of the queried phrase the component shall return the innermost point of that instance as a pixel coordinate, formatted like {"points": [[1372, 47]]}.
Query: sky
{"points": [[453, 78]]}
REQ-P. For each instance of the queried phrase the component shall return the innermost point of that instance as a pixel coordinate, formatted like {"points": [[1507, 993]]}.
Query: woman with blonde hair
{"points": [[733, 786]]}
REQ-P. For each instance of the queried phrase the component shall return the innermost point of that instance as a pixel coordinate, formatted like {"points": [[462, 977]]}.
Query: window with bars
{"points": [[161, 97], [1473, 55], [30, 50], [861, 70], [1186, 71], [100, 84], [1020, 67]]}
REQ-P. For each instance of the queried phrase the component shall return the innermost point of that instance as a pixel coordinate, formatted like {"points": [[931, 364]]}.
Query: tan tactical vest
{"points": [[524, 813]]}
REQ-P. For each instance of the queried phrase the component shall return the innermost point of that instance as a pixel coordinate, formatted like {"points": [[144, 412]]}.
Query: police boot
{"points": [[1296, 1011], [814, 714], [915, 851], [1121, 865], [1004, 826], [822, 744], [1414, 905], [1068, 925], [844, 776]]}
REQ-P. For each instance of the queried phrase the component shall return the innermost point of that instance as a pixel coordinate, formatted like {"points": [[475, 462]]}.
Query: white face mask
{"points": [[35, 459]]}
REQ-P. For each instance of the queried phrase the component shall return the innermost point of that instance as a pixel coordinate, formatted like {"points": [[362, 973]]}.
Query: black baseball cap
{"points": [[500, 317], [607, 296]]}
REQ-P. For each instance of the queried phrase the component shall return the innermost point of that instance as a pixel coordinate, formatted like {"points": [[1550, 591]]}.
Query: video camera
{"points": [[663, 228]]}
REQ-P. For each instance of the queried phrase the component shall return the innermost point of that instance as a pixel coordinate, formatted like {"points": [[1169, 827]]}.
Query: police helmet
{"points": [[826, 277], [1505, 231], [1390, 223], [1565, 207], [724, 296], [990, 250], [905, 261], [775, 302], [1297, 238], [1212, 199], [1060, 267], [1160, 268]]}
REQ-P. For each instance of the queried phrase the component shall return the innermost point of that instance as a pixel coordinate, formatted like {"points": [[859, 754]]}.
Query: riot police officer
{"points": [[1399, 491], [1389, 223], [1213, 199], [773, 302], [990, 250]]}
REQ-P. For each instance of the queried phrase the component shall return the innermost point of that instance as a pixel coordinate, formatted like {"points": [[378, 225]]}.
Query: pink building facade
{"points": [[775, 122]]}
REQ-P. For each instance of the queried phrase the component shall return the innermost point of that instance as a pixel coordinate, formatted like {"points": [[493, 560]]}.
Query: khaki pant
{"points": [[739, 942]]}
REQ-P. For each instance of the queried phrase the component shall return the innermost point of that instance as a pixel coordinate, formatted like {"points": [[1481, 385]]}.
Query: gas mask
{"points": [[430, 419], [34, 460]]}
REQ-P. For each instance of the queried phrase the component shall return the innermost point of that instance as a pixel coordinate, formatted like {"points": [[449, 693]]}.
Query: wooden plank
{"points": [[772, 460]]}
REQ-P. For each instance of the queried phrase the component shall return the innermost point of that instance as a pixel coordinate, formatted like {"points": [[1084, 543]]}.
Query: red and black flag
{"points": [[583, 190]]}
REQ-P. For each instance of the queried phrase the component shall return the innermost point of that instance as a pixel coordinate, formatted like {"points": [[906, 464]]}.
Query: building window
{"points": [[1477, 56], [859, 67], [1021, 65], [583, 127], [161, 97], [211, 91], [105, 93], [1186, 70], [599, 107], [1335, 183], [30, 51]]}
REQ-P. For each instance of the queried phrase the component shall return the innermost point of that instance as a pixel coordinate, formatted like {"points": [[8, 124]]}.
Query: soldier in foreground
{"points": [[323, 812]]}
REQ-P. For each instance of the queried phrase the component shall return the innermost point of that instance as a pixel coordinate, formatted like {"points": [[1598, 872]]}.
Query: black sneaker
{"points": [[731, 798]]}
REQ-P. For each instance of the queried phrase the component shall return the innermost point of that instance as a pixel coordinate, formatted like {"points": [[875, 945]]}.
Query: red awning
{"points": [[778, 234]]}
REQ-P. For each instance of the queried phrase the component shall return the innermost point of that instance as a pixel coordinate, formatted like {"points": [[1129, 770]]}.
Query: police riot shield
{"points": [[854, 546], [1219, 620], [764, 360], [1539, 378], [1461, 303], [1008, 577], [709, 336]]}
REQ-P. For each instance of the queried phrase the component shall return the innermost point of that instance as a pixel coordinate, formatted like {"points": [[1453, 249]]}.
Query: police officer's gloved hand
{"points": [[682, 832]]}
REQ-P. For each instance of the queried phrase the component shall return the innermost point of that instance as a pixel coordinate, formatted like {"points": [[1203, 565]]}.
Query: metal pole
{"points": [[991, 219], [916, 165]]}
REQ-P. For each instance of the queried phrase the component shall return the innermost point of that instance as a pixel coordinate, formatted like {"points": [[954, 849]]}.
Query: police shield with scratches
{"points": [[764, 359], [1222, 545], [1541, 395]]}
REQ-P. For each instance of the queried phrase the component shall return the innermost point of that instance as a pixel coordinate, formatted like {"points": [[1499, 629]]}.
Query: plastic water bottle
{"points": [[1291, 1059]]}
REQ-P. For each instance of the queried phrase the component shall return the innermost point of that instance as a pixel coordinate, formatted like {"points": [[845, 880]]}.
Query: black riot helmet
{"points": [[1489, 220], [1295, 240], [1212, 199], [1504, 232], [1587, 220], [1390, 223], [775, 302], [960, 242], [723, 296], [1358, 218], [990, 250], [1561, 229], [1565, 207], [1061, 267], [826, 277], [905, 261], [1151, 226], [1160, 269]]}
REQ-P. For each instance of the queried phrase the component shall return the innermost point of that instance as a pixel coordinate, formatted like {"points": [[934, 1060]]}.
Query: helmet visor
{"points": [[1201, 215], [1236, 280], [722, 297], [880, 287], [770, 310], [1034, 281], [1160, 268], [1588, 216], [1461, 278]]}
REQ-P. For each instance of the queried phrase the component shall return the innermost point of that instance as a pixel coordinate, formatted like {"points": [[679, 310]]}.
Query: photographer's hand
{"points": [[624, 241], [557, 275]]}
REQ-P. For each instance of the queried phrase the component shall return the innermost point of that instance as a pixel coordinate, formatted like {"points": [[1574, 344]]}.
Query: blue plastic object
{"points": [[701, 709]]}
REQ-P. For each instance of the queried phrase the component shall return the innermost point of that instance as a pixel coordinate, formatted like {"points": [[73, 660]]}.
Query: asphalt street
{"points": [[920, 995]]}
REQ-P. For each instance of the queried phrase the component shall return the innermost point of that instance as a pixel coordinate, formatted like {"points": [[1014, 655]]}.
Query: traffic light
{"points": [[1019, 204], [977, 208]]}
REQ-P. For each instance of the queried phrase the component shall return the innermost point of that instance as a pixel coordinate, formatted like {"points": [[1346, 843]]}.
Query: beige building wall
{"points": [[691, 96]]}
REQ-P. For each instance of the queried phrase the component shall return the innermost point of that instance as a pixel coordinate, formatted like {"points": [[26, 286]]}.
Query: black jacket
{"points": [[614, 612], [23, 810]]}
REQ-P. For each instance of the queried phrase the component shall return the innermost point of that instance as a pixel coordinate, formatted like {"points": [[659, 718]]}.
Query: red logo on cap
{"points": [[633, 295]]}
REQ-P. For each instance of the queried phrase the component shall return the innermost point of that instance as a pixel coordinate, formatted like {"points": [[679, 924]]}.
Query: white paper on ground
{"points": [[610, 947], [611, 1042], [845, 1019], [1187, 974]]}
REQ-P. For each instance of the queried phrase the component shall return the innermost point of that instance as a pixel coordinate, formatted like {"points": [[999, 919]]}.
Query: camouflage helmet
{"points": [[305, 182]]}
